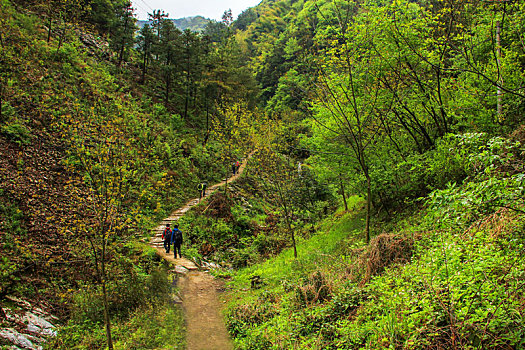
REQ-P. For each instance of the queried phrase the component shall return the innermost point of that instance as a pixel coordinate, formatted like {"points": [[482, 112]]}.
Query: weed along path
{"points": [[199, 290]]}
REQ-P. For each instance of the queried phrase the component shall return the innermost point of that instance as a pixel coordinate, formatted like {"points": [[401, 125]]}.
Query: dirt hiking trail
{"points": [[205, 328]]}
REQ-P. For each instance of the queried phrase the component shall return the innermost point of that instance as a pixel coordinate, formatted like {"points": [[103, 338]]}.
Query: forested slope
{"points": [[99, 139], [194, 23], [417, 108]]}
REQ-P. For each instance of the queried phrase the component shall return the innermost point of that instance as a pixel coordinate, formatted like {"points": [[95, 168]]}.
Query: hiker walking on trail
{"points": [[237, 166], [234, 168], [199, 187], [166, 237], [202, 190], [176, 239]]}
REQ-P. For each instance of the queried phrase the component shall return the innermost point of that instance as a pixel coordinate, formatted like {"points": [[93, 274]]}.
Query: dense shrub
{"points": [[455, 158], [17, 132]]}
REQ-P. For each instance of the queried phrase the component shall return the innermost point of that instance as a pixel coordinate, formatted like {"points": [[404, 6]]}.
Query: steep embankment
{"points": [[68, 120]]}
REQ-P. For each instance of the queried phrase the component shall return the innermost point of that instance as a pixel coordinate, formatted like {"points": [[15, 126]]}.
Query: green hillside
{"points": [[416, 107], [381, 207], [100, 140]]}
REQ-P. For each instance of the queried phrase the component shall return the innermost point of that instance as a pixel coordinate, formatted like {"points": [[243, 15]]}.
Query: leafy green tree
{"points": [[215, 31], [62, 16], [157, 18], [169, 49], [233, 128], [104, 14], [278, 178], [246, 18], [192, 68], [227, 17], [350, 98], [106, 171]]}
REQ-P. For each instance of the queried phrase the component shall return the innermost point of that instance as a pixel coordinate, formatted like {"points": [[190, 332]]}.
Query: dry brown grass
{"points": [[499, 224], [383, 251], [317, 289], [219, 207]]}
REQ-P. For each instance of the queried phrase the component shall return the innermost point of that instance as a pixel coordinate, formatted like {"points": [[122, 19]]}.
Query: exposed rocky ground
{"points": [[25, 325]]}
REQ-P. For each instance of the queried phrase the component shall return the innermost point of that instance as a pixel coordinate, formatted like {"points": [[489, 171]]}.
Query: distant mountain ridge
{"points": [[193, 23]]}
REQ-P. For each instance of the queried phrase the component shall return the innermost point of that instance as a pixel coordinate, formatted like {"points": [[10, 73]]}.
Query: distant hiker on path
{"points": [[176, 239], [166, 236], [235, 167], [202, 190]]}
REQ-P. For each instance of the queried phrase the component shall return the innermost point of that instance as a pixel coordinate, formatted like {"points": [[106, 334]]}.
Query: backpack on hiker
{"points": [[166, 234], [177, 236]]}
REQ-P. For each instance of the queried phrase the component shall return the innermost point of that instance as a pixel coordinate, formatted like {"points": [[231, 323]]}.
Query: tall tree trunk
{"points": [[207, 124], [293, 242], [107, 319], [343, 191], [292, 232], [144, 67], [167, 95], [186, 103], [61, 37], [368, 206], [50, 24], [500, 76], [187, 99], [123, 44]]}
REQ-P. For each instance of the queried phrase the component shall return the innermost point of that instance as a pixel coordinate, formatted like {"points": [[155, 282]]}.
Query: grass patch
{"points": [[157, 327], [332, 235]]}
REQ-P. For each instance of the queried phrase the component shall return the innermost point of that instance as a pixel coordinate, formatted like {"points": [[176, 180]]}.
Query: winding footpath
{"points": [[205, 328]]}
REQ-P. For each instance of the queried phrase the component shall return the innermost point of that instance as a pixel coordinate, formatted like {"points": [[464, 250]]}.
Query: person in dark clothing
{"points": [[166, 236], [234, 168], [176, 239], [202, 190], [200, 187]]}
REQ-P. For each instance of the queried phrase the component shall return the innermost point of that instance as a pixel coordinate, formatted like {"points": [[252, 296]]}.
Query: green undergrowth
{"points": [[159, 325], [143, 314], [258, 317], [330, 238], [448, 276]]}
